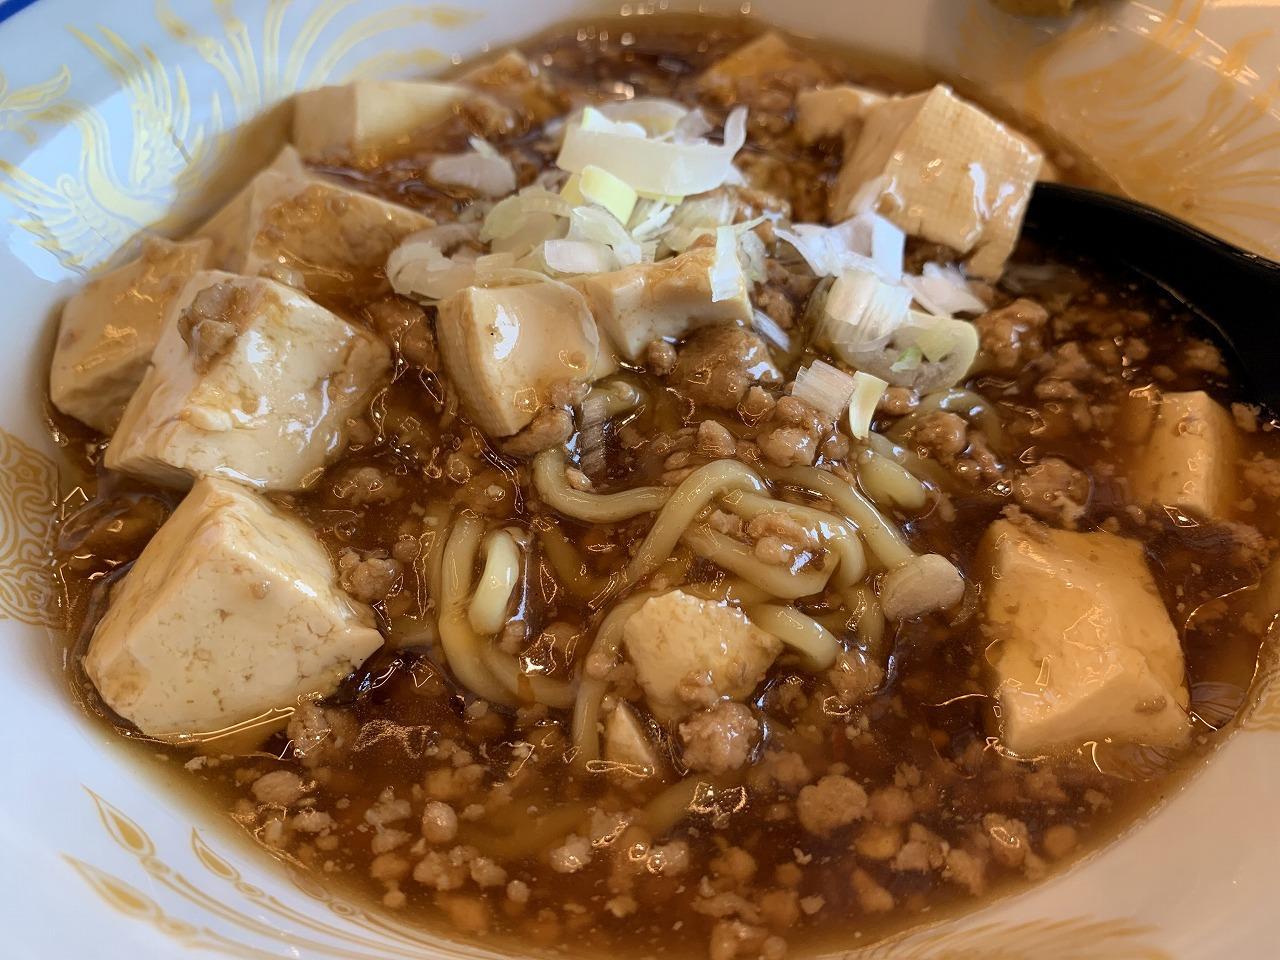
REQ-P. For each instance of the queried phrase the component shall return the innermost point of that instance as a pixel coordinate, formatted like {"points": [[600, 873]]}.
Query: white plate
{"points": [[112, 120]]}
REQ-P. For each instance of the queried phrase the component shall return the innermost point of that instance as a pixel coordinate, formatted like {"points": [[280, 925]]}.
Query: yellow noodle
{"points": [[776, 579], [549, 478], [661, 814], [518, 835], [488, 610], [553, 692], [840, 538], [688, 500], [568, 565], [890, 484], [607, 646], [928, 470], [812, 640], [613, 398], [729, 590], [462, 647], [881, 536], [432, 559]]}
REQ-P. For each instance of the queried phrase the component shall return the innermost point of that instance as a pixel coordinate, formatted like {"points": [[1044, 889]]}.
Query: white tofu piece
{"points": [[110, 327], [833, 111], [250, 381], [769, 56], [307, 232], [506, 347], [369, 118], [1189, 458], [1083, 648], [232, 610], [689, 653], [627, 744], [653, 301], [945, 171]]}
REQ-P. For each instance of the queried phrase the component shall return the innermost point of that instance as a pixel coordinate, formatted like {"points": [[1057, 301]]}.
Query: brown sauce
{"points": [[404, 734]]}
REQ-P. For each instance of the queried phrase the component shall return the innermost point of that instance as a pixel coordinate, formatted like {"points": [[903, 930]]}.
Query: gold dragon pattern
{"points": [[86, 215], [259, 926]]}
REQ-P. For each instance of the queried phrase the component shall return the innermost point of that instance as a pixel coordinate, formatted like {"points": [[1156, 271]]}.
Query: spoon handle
{"points": [[1235, 291]]}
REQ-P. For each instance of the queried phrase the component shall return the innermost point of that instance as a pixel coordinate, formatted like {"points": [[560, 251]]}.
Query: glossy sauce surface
{"points": [[686, 864]]}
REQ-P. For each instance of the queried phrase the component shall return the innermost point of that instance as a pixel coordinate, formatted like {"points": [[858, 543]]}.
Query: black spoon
{"points": [[1235, 292]]}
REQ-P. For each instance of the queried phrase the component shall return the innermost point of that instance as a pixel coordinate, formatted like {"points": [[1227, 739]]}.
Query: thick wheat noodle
{"points": [[928, 470], [660, 815], [488, 609], [867, 616], [519, 835], [729, 590], [432, 559], [568, 565], [461, 644], [775, 579], [812, 640], [586, 709], [705, 484], [888, 483], [963, 402], [881, 537], [613, 398], [426, 631], [553, 692], [549, 478], [837, 533]]}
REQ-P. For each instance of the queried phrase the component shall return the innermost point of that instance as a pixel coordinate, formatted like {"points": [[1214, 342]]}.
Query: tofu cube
{"points": [[653, 301], [312, 234], [232, 610], [627, 745], [110, 327], [690, 653], [760, 67], [1189, 458], [504, 348], [369, 119], [945, 171], [250, 381], [1083, 648], [833, 111]]}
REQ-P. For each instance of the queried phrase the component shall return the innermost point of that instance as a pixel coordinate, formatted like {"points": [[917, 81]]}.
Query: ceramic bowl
{"points": [[114, 119]]}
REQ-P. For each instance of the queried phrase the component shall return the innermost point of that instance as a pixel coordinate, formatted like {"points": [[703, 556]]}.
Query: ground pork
{"points": [[660, 358], [790, 435], [369, 579], [941, 434], [404, 324], [872, 897], [833, 802], [281, 787], [1262, 474], [320, 735], [720, 739], [1052, 490], [213, 321], [854, 676], [1011, 335], [716, 366], [898, 401], [714, 441], [367, 484], [439, 822]]}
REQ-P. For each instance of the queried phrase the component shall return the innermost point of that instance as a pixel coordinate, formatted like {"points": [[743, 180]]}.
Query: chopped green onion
{"points": [[604, 189], [909, 360], [867, 391]]}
